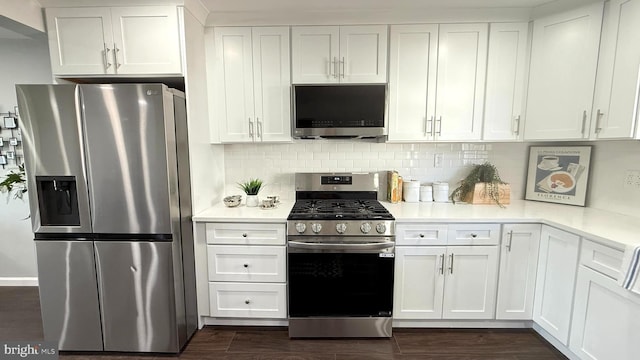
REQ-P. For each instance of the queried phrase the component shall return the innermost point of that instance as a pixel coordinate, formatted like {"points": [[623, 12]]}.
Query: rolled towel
{"points": [[631, 269]]}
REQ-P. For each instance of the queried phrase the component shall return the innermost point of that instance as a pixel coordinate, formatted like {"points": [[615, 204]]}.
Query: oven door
{"points": [[337, 278]]}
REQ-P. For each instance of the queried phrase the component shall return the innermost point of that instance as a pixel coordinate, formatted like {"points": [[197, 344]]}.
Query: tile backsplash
{"points": [[276, 164]]}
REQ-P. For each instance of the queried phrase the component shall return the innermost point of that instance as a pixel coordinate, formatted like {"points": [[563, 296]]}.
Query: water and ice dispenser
{"points": [[58, 200]]}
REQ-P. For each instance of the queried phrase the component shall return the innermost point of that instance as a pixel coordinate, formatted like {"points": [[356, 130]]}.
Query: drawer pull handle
{"points": [[474, 235], [247, 301], [421, 235], [246, 265], [244, 235]]}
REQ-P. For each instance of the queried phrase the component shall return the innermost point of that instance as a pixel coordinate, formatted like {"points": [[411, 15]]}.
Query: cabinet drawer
{"points": [[603, 259], [245, 234], [247, 263], [248, 300], [421, 234], [474, 234]]}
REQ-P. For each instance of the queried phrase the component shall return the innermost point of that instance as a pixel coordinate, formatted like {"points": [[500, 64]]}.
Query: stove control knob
{"points": [[316, 227], [365, 228], [381, 228], [341, 228], [301, 227]]}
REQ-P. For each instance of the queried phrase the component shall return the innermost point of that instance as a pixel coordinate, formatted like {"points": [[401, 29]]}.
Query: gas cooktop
{"points": [[339, 209]]}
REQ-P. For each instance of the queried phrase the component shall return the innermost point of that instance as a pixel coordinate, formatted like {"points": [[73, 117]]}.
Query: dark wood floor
{"points": [[20, 320]]}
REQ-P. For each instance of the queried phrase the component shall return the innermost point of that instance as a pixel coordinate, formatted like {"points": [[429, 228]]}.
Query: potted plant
{"points": [[483, 185], [15, 184], [251, 188]]}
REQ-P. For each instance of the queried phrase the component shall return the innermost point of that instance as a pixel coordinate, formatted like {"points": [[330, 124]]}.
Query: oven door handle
{"points": [[337, 246]]}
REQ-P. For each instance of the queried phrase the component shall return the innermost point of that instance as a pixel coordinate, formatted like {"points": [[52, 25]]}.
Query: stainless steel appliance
{"points": [[342, 111], [109, 190], [340, 258]]}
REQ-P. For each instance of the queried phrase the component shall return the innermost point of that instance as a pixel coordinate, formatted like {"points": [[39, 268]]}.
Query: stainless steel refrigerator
{"points": [[109, 191]]}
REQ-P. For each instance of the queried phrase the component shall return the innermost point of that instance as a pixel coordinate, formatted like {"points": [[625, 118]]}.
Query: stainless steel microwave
{"points": [[339, 111]]}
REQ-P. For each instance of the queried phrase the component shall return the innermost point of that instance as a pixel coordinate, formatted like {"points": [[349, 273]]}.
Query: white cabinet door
{"points": [[470, 284], [462, 59], [80, 41], [412, 82], [506, 67], [147, 40], [233, 89], [615, 111], [605, 319], [562, 78], [272, 83], [315, 52], [557, 266], [363, 54], [518, 266], [248, 300], [419, 282]]}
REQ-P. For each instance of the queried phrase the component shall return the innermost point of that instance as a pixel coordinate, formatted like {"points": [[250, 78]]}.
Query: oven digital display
{"points": [[336, 180]]}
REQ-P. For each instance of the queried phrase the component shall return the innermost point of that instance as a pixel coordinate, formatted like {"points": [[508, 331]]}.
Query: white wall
{"points": [[21, 61]]}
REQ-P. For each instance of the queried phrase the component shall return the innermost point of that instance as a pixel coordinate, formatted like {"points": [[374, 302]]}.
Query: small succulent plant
{"points": [[251, 187]]}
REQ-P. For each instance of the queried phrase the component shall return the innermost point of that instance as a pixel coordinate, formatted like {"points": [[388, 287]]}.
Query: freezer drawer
{"points": [[137, 299], [69, 294]]}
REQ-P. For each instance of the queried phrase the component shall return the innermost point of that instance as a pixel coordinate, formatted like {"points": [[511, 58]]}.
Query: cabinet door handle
{"points": [[451, 264], [421, 235], [637, 98], [250, 128], [439, 121], [335, 67], [259, 127], [245, 265], [442, 264], [342, 66], [115, 55], [584, 121], [598, 117], [510, 239], [244, 235], [247, 301], [329, 68], [473, 236], [516, 122], [106, 56], [426, 126]]}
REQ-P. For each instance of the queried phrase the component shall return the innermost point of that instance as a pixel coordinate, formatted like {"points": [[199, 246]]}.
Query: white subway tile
{"points": [[329, 164], [337, 155]]}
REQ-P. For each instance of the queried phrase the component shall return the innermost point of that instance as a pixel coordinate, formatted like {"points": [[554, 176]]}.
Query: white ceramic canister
{"points": [[426, 192], [440, 191], [411, 191]]}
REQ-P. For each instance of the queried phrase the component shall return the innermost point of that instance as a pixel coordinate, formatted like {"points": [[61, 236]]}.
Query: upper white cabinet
{"points": [[563, 71], [615, 110], [518, 267], [251, 90], [506, 74], [339, 54], [437, 79], [557, 266], [114, 41]]}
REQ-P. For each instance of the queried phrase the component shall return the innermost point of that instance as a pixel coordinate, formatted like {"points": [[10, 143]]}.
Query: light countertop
{"points": [[609, 228]]}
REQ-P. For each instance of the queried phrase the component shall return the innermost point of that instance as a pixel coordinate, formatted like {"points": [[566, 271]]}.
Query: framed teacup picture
{"points": [[558, 174]]}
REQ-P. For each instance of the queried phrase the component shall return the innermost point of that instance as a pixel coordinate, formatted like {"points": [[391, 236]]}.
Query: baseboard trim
{"points": [[18, 281], [555, 342]]}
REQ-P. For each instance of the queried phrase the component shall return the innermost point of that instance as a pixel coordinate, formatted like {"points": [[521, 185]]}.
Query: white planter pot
{"points": [[252, 200]]}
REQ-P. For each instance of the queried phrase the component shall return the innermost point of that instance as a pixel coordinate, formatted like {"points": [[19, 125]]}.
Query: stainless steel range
{"points": [[340, 257]]}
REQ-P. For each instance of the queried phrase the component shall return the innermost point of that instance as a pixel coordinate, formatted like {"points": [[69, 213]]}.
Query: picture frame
{"points": [[13, 141], [3, 160], [9, 122], [558, 174], [11, 155]]}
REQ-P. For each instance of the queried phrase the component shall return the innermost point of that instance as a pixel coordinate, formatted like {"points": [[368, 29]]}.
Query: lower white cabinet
{"points": [[437, 282], [247, 270], [606, 317], [518, 267], [250, 300], [557, 266]]}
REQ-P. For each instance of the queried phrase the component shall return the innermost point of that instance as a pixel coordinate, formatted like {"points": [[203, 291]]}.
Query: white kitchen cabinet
{"points": [[557, 266], [436, 83], [605, 318], [412, 82], [562, 77], [246, 270], [339, 54], [114, 41], [506, 66], [435, 278], [517, 274], [615, 113], [252, 88]]}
